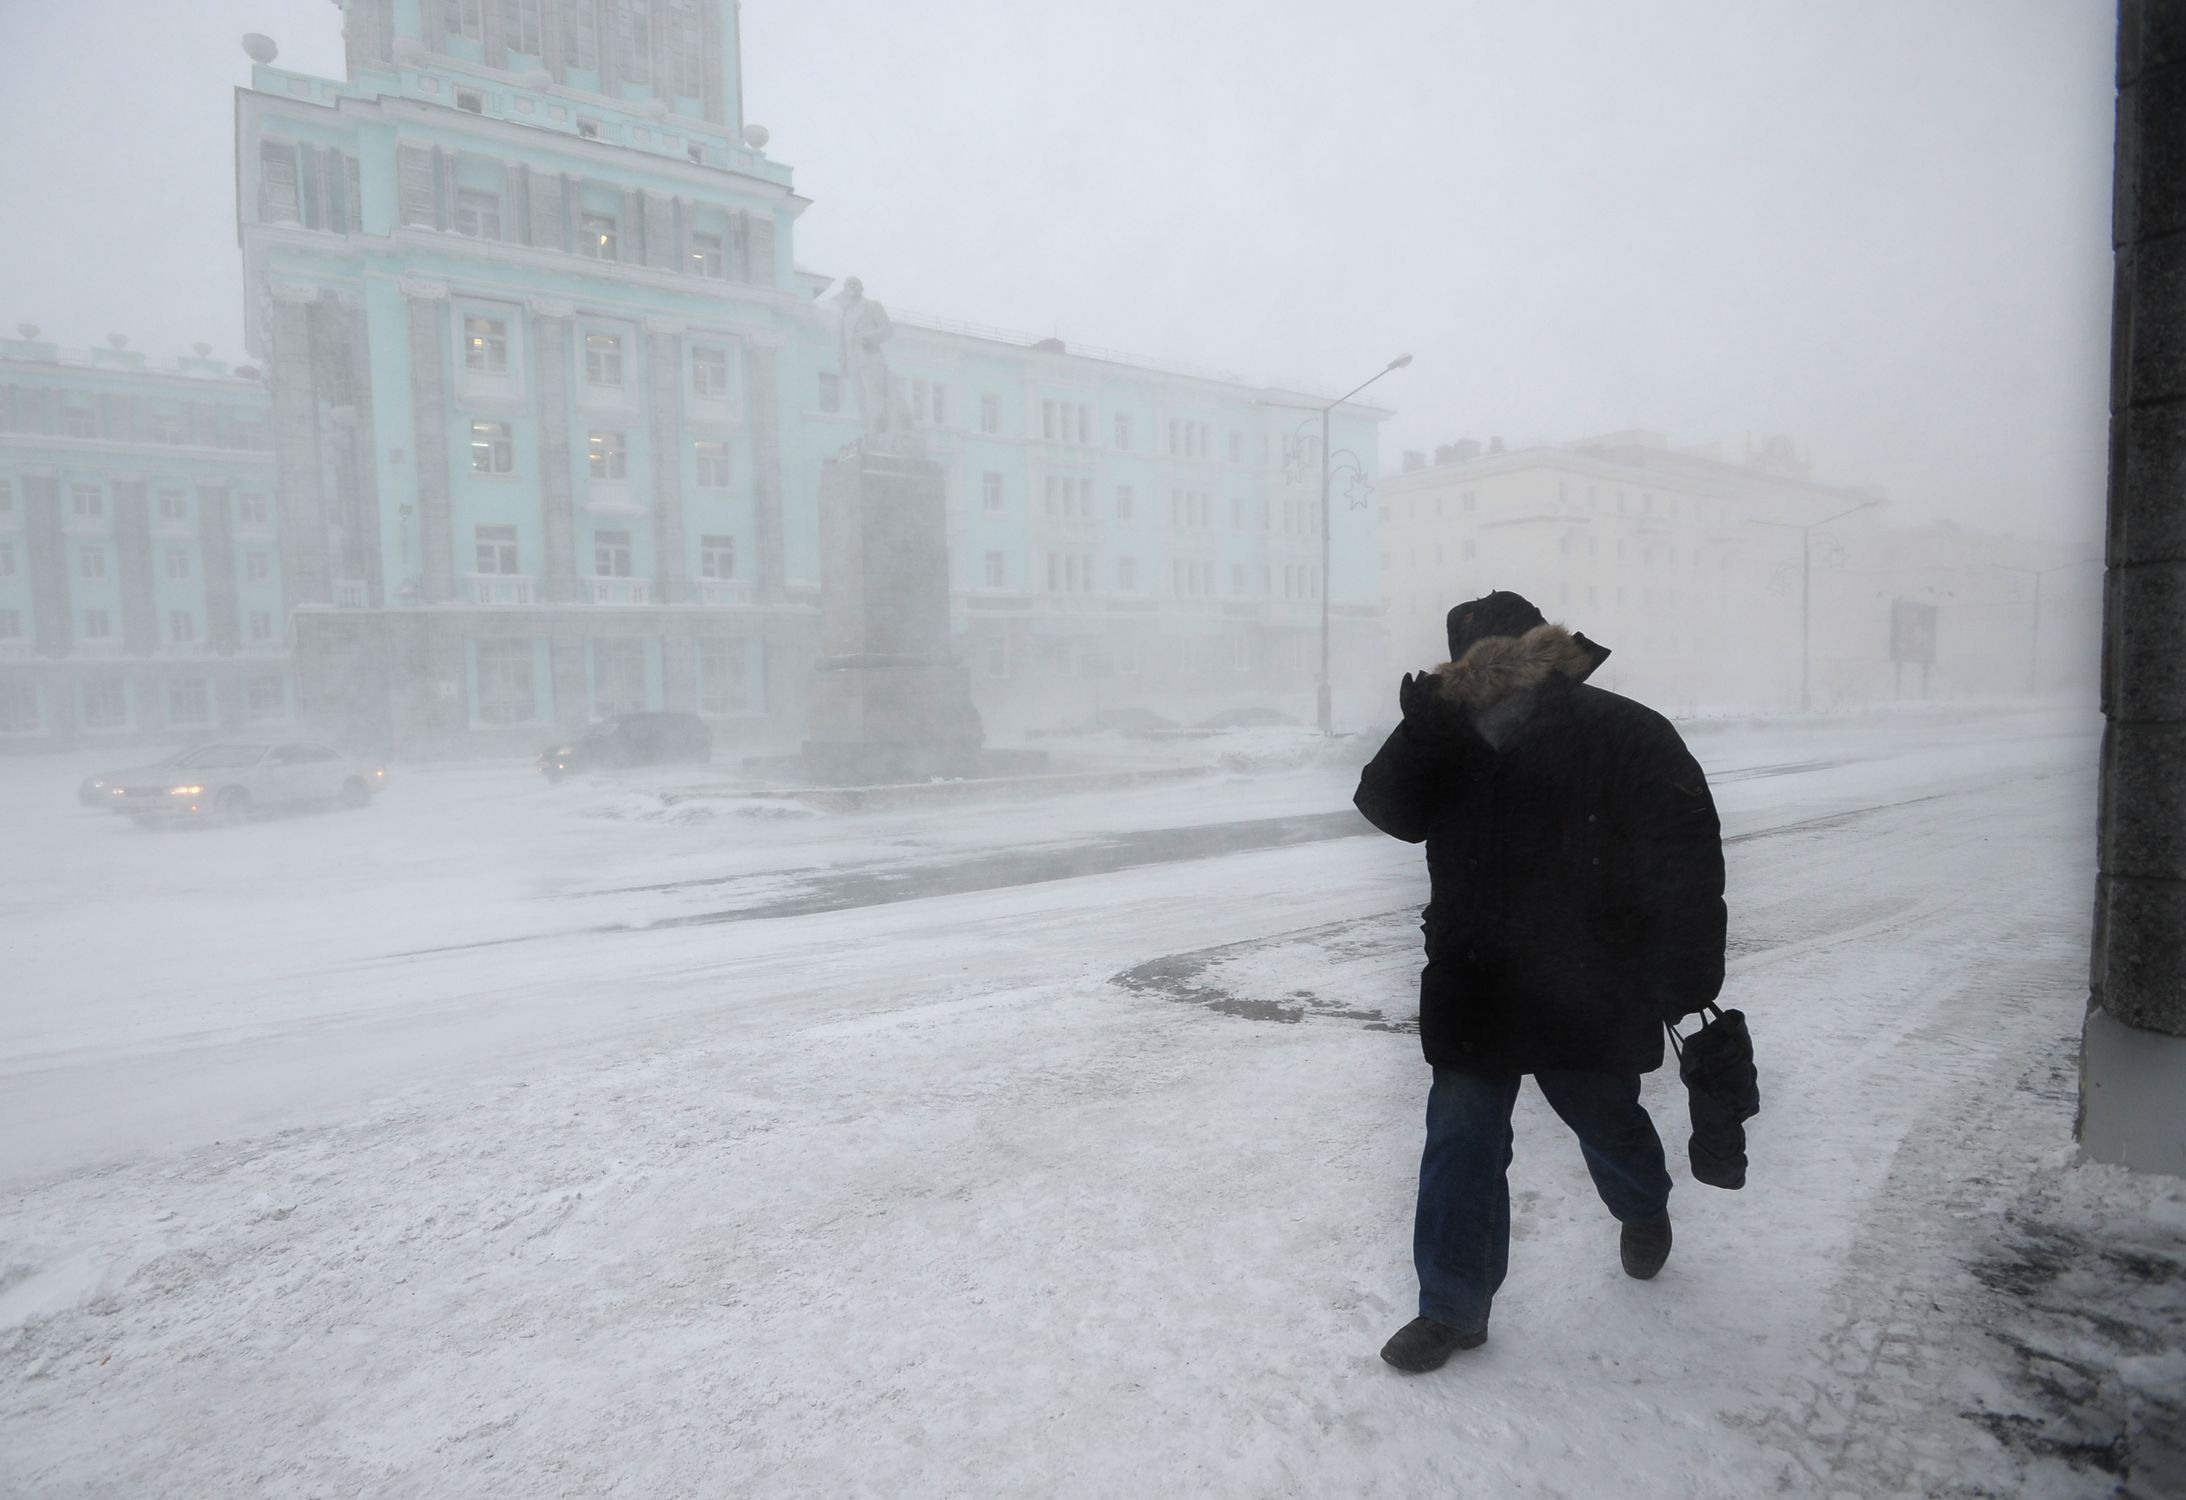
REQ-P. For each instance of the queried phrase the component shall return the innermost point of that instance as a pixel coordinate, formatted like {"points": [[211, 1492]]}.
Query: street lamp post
{"points": [[2034, 635], [1806, 592], [1323, 699]]}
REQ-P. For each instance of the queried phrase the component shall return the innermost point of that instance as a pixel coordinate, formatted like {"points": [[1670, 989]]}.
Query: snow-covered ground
{"points": [[505, 1139]]}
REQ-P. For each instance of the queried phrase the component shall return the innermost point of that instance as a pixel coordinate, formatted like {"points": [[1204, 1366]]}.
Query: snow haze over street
{"points": [[646, 1135]]}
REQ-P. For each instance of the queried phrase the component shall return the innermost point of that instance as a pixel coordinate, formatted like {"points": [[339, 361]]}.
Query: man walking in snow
{"points": [[1576, 903]]}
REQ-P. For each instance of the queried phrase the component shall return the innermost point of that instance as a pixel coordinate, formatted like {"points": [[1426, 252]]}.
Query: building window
{"points": [[717, 557], [998, 656], [710, 373], [724, 677], [497, 549], [181, 626], [174, 506], [618, 677], [1470, 497], [634, 41], [11, 625], [528, 27], [478, 213], [105, 704], [91, 562], [7, 559], [466, 19], [506, 694], [257, 566], [87, 502], [712, 460], [831, 392], [1127, 574], [7, 496], [990, 413], [1124, 502], [486, 346], [581, 33], [990, 490], [492, 449], [266, 699], [18, 708], [611, 554], [1237, 447], [178, 563], [606, 456], [252, 511], [589, 129], [1123, 431], [998, 575], [261, 625], [277, 199], [188, 702], [596, 236], [706, 256], [603, 359]]}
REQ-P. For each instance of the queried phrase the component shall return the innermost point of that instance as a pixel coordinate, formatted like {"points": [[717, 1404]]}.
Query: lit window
{"points": [[707, 258], [486, 345], [606, 456], [492, 451], [596, 236]]}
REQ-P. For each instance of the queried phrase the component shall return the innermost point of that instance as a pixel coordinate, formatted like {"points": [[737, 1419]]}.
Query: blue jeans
{"points": [[1461, 1234]]}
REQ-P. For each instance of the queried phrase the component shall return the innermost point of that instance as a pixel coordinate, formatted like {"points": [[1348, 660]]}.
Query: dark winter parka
{"points": [[1576, 872]]}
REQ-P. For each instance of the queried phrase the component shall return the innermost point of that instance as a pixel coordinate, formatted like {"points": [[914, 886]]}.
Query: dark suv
{"points": [[631, 740]]}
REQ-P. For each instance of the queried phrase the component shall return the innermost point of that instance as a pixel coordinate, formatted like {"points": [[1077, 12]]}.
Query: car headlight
{"points": [[185, 791]]}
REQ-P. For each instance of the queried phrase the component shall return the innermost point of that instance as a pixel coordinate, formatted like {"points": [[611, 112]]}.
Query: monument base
{"points": [[879, 718]]}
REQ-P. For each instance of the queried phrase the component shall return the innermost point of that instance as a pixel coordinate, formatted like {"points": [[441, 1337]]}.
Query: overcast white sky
{"points": [[1878, 225]]}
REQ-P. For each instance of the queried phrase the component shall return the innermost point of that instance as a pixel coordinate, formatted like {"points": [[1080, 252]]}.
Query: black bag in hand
{"points": [[1722, 1090]]}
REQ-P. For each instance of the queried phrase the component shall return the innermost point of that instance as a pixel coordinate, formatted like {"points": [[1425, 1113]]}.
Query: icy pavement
{"points": [[1098, 1185]]}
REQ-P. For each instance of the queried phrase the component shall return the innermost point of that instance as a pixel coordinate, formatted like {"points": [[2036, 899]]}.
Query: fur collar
{"points": [[1499, 665]]}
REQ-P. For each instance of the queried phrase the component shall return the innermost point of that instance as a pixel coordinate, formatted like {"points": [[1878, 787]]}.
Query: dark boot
{"points": [[1423, 1344], [1644, 1247]]}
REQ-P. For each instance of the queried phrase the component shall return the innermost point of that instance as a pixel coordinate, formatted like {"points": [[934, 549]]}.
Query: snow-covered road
{"points": [[473, 1145]]}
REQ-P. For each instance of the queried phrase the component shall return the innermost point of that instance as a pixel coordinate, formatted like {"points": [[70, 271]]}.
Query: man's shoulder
{"points": [[1624, 717]]}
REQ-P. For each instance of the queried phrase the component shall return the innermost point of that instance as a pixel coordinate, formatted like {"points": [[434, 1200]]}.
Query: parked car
{"points": [[650, 739], [231, 781], [98, 790]]}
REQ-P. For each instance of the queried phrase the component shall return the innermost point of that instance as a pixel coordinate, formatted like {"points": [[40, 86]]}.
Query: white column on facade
{"points": [[426, 302], [550, 322], [664, 392], [298, 470], [763, 408]]}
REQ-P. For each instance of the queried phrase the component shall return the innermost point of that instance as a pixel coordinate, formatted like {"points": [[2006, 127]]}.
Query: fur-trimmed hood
{"points": [[1497, 666]]}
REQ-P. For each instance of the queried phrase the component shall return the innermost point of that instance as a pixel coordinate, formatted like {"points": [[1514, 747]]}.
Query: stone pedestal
{"points": [[890, 700]]}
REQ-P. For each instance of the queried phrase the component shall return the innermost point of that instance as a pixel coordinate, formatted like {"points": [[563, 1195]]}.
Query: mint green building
{"points": [[548, 400], [140, 588]]}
